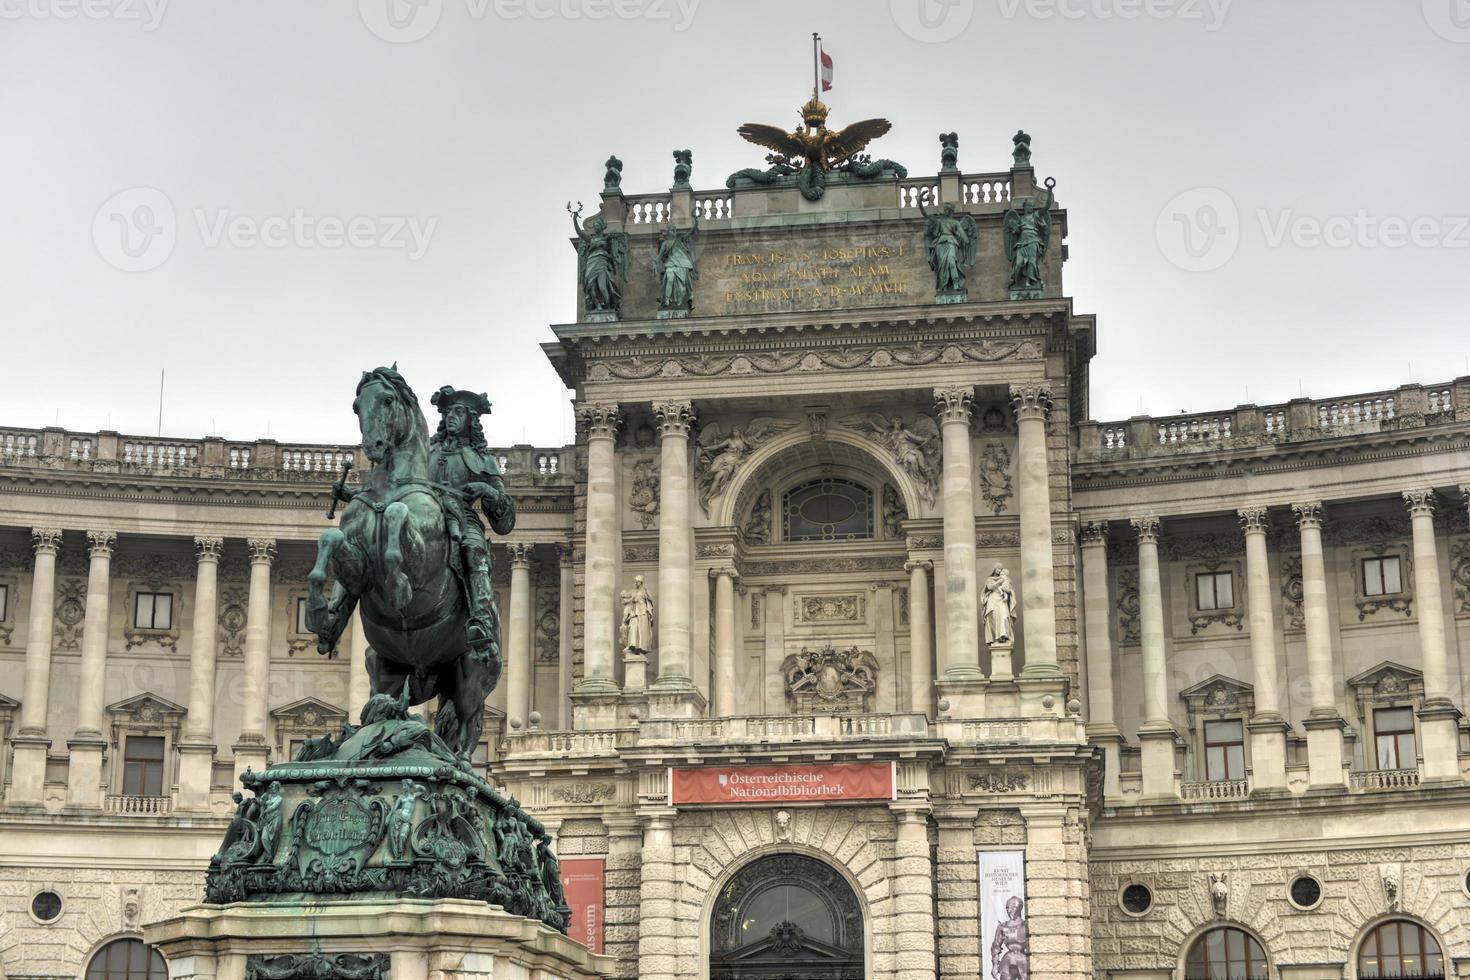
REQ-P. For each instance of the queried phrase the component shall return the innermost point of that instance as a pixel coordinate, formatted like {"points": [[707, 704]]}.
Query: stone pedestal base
{"points": [[1110, 740], [1157, 743], [635, 673], [84, 771], [196, 772], [1324, 752], [596, 707], [250, 755], [1042, 695], [1001, 662], [1439, 727], [961, 697], [678, 699], [28, 770], [407, 939], [1268, 755]]}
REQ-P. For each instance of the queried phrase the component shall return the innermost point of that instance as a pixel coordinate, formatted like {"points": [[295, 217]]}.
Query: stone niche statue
{"points": [[1027, 233], [949, 243], [674, 265], [998, 606], [602, 265], [830, 679], [637, 629]]}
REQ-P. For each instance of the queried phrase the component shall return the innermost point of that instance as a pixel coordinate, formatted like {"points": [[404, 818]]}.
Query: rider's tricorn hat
{"points": [[475, 404]]}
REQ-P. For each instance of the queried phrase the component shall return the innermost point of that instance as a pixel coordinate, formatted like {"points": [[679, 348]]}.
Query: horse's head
{"points": [[388, 413]]}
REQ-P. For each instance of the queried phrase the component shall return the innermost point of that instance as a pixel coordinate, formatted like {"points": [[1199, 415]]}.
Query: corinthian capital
{"points": [[1308, 514], [1093, 533], [520, 553], [914, 563], [46, 540], [674, 418], [100, 542], [1420, 501], [1031, 400], [954, 402], [208, 549], [1147, 527], [600, 420], [1252, 519], [262, 550]]}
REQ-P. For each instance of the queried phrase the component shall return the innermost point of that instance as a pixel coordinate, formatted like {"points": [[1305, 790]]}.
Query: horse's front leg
{"points": [[327, 618]]}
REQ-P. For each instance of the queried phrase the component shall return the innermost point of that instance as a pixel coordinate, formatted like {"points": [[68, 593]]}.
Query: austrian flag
{"points": [[826, 72]]}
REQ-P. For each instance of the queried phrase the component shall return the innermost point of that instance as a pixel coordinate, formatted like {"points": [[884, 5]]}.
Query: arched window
{"points": [[127, 959], [1226, 954], [787, 915], [828, 509], [1400, 949]]}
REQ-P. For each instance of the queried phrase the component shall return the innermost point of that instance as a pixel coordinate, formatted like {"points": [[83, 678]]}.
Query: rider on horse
{"points": [[460, 460]]}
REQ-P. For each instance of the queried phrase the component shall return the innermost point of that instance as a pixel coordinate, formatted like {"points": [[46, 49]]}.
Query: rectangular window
{"points": [[301, 616], [1214, 590], [154, 611], [1224, 750], [1381, 576], [143, 765], [1393, 732]]}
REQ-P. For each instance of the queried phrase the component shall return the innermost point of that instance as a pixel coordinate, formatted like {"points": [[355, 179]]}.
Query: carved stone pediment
{"points": [[1386, 683], [145, 709], [831, 679], [1218, 694]]}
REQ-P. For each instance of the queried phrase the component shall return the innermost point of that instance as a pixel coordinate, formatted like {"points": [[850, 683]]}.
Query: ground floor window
{"points": [[127, 959], [787, 915], [1226, 954], [1400, 950]]}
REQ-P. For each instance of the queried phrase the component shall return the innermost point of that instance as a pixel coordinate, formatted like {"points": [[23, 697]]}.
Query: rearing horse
{"points": [[392, 554]]}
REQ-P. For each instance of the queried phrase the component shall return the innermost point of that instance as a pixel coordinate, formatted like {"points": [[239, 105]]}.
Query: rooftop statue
{"points": [[1027, 235], [674, 265], [602, 263], [816, 150], [949, 153], [612, 177], [683, 167], [1021, 149], [949, 242]]}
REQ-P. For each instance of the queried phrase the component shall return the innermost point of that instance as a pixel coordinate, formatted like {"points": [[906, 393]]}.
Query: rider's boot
{"points": [[478, 627]]}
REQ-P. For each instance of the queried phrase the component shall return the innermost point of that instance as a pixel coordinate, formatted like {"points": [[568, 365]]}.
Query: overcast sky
{"points": [[1265, 197]]}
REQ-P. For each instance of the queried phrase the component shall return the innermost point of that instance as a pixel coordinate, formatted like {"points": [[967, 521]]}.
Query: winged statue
{"points": [[721, 454], [917, 448], [1026, 235], [818, 148]]}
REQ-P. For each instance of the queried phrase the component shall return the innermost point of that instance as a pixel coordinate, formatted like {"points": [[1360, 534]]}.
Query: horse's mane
{"points": [[390, 377]]}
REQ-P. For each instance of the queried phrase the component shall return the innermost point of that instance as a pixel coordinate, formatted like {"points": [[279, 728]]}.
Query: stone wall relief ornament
{"points": [[757, 527], [1390, 874], [71, 610], [643, 496], [720, 455], [602, 265], [548, 627], [1293, 594], [831, 679], [1027, 234], [916, 447], [1460, 573], [894, 512], [234, 603], [584, 793], [995, 476], [1219, 893], [1128, 606], [1005, 781], [782, 821], [848, 608], [950, 238], [318, 966]]}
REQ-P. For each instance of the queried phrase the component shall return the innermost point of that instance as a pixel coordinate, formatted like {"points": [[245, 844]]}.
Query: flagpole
{"points": [[816, 66]]}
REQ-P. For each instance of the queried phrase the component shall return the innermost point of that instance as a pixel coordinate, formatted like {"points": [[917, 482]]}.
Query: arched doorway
{"points": [[786, 916]]}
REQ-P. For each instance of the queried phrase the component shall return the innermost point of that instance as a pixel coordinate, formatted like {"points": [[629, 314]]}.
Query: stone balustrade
{"points": [[1252, 426], [1372, 779], [138, 806], [1215, 789], [263, 459]]}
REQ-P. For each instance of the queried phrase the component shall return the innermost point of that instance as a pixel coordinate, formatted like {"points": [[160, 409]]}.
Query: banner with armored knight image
{"points": [[1005, 946]]}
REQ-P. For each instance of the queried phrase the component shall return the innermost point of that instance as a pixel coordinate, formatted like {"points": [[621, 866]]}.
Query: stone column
{"points": [[196, 748], [885, 648], [1323, 724], [596, 695], [961, 682], [773, 684], [31, 742], [913, 894], [85, 747], [1057, 907], [658, 900], [1156, 734], [1102, 725], [622, 890], [1031, 403], [674, 693], [518, 657], [1267, 726], [252, 750], [921, 657], [564, 617], [359, 684], [957, 875], [726, 674], [1438, 717]]}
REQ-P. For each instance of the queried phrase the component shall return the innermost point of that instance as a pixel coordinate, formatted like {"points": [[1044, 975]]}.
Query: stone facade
{"points": [[1236, 661]]}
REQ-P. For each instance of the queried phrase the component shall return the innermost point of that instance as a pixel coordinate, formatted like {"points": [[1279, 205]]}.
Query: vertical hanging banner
{"points": [[1005, 943], [581, 879]]}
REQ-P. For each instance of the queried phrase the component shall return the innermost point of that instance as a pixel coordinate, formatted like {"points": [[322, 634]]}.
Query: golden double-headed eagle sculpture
{"points": [[820, 148]]}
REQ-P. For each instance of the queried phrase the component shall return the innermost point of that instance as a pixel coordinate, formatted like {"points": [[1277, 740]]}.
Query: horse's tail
{"points": [[446, 722]]}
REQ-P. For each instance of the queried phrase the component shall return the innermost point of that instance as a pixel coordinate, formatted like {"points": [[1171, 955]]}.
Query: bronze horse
{"points": [[393, 555]]}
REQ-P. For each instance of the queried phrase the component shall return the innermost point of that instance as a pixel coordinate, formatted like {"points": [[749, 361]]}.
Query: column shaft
{"points": [[94, 633], [1323, 724], [564, 638], [921, 656], [1432, 650], [675, 554], [599, 636], [961, 609], [726, 677], [658, 906], [42, 620], [1265, 673], [199, 723], [913, 897], [1096, 612], [255, 713], [1032, 403], [1151, 623], [518, 667]]}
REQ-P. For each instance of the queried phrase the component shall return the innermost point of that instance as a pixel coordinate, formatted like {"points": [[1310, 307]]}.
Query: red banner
{"points": [[581, 879], [783, 784]]}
